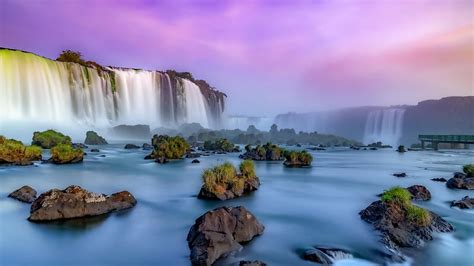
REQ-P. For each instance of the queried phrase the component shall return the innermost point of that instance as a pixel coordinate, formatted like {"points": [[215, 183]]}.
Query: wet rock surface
{"points": [[419, 192], [326, 255], [461, 181], [464, 203], [219, 232], [75, 202], [25, 194]]}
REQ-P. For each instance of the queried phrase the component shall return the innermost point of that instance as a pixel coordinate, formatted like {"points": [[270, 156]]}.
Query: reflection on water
{"points": [[300, 208]]}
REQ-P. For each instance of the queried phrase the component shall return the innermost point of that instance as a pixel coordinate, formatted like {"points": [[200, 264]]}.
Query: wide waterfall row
{"points": [[384, 125], [33, 88]]}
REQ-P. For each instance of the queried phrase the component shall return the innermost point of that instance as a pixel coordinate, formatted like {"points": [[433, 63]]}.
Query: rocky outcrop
{"points": [[219, 232], [401, 148], [252, 263], [398, 228], [66, 154], [131, 147], [439, 179], [464, 203], [95, 150], [419, 192], [195, 161], [147, 146], [75, 202], [92, 138], [461, 181], [25, 194], [325, 255]]}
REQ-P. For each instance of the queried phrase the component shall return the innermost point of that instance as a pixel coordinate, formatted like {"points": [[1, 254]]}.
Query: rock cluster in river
{"points": [[25, 194], [75, 202], [219, 232], [464, 203], [461, 181], [419, 192]]}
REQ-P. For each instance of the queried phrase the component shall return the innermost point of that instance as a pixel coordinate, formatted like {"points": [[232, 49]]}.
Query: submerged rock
{"points": [[147, 146], [79, 146], [219, 232], [439, 179], [92, 138], [325, 255], [131, 146], [25, 194], [464, 203], [195, 161], [400, 174], [95, 150], [75, 202], [399, 228], [419, 192], [401, 148]]}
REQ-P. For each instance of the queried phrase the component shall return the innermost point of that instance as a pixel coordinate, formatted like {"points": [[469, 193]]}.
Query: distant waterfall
{"points": [[384, 125], [35, 89]]}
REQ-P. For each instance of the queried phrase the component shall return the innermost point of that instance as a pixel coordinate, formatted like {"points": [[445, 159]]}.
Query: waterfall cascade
{"points": [[384, 125], [34, 88]]}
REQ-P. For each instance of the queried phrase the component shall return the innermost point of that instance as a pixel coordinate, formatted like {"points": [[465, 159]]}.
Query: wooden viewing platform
{"points": [[437, 139]]}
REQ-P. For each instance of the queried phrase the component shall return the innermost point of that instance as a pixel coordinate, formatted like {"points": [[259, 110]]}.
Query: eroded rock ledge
{"points": [[75, 202]]}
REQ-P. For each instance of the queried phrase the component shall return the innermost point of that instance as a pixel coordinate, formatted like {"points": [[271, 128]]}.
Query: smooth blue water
{"points": [[299, 208]]}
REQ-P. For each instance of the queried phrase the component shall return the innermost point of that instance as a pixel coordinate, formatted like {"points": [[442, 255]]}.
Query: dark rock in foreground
{"points": [[461, 181], [464, 203], [419, 192], [439, 179], [400, 174], [398, 229], [326, 256], [95, 150], [131, 146], [75, 202], [92, 138], [219, 232], [195, 161], [252, 263], [25, 194]]}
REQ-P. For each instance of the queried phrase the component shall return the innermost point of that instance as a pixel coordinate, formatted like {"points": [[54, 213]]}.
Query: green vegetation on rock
{"points": [[66, 153], [14, 152], [469, 170], [92, 138], [402, 197], [297, 158], [220, 145], [168, 148], [49, 138], [267, 152], [224, 182]]}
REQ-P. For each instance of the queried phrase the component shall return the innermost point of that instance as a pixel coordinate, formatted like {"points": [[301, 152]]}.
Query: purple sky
{"points": [[268, 56]]}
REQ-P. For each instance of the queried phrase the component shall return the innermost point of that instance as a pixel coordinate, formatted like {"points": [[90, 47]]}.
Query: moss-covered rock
{"points": [[468, 169], [223, 145], [297, 158], [49, 138], [92, 138], [267, 152], [14, 152], [167, 148], [224, 182], [65, 154]]}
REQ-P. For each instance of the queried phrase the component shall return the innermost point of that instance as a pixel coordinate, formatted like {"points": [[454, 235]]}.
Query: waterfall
{"points": [[35, 89], [384, 125]]}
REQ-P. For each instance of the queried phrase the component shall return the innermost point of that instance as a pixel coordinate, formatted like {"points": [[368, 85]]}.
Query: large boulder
{"points": [[464, 203], [419, 192], [92, 138], [399, 228], [49, 138], [131, 147], [325, 255], [461, 181], [219, 232], [25, 194], [75, 202], [66, 154]]}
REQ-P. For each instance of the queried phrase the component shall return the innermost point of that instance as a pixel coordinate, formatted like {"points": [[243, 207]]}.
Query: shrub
{"points": [[418, 215], [468, 169], [219, 145], [13, 151], [247, 169], [33, 153], [65, 153], [169, 147], [49, 138], [71, 56], [397, 194]]}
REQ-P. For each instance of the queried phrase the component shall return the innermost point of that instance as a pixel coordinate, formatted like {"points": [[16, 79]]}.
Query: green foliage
{"points": [[468, 169], [71, 56], [112, 81], [418, 215], [247, 169], [169, 147], [219, 145], [65, 153], [248, 147], [397, 194], [297, 158], [13, 151], [49, 138]]}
